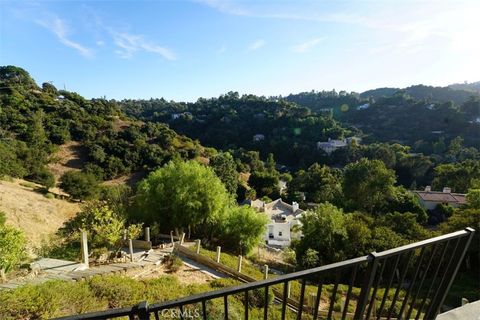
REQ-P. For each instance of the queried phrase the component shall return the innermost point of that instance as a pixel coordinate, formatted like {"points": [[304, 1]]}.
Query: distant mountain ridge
{"points": [[473, 86], [458, 93]]}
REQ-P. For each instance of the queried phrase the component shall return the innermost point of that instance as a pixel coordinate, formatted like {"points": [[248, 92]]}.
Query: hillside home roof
{"points": [[278, 207], [442, 197]]}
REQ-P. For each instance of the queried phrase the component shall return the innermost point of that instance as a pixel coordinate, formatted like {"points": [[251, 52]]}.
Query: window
{"points": [[280, 233]]}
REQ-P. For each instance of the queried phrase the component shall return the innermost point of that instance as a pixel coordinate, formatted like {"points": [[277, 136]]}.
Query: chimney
{"points": [[447, 190], [428, 188], [294, 206]]}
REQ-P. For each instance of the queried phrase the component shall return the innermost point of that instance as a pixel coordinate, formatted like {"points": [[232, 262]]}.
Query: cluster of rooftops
{"points": [[283, 217]]}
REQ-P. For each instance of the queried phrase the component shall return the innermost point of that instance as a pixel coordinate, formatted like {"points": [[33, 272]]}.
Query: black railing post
{"points": [[445, 285], [367, 285], [142, 311]]}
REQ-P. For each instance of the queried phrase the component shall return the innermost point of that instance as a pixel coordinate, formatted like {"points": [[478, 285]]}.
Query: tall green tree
{"points": [[367, 185], [324, 230], [458, 176], [181, 195], [319, 183], [226, 169], [265, 184], [242, 229]]}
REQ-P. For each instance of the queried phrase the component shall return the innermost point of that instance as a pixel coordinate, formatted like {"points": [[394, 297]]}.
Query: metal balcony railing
{"points": [[408, 282]]}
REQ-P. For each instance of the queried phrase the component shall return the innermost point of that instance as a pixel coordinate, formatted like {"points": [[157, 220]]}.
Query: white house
{"points": [[430, 199], [258, 137], [332, 144], [363, 106], [283, 221]]}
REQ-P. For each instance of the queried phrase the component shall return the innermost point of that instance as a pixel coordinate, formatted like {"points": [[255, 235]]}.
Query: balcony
{"points": [[408, 282]]}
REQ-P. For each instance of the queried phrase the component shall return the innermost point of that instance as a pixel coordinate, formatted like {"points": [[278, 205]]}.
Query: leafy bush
{"points": [[104, 226], [52, 299], [12, 247], [3, 218], [242, 229], [79, 185], [117, 291], [173, 263], [49, 195], [56, 247]]}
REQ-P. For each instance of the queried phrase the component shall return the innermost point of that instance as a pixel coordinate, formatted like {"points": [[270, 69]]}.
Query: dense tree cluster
{"points": [[35, 120], [189, 196], [411, 138]]}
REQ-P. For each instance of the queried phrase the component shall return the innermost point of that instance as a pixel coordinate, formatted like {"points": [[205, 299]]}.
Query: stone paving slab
{"points": [[57, 269]]}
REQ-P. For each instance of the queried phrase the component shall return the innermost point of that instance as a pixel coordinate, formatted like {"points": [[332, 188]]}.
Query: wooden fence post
{"points": [[198, 245], [312, 300], [265, 272], [147, 234], [130, 249], [84, 244], [239, 267], [219, 251], [182, 238], [171, 238]]}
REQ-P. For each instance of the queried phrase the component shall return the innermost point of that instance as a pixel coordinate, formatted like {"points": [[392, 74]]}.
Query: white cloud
{"points": [[257, 44], [225, 6], [129, 44], [59, 28], [307, 45]]}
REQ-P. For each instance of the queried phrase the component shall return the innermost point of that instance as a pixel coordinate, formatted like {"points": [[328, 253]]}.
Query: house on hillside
{"points": [[284, 222], [430, 199], [333, 144], [363, 106], [258, 137]]}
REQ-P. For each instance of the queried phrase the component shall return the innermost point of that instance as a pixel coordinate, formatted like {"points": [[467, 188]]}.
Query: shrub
{"points": [[44, 177], [56, 247], [104, 226], [173, 263], [51, 299], [12, 247], [117, 291], [49, 195], [164, 288], [3, 218], [79, 185], [242, 229]]}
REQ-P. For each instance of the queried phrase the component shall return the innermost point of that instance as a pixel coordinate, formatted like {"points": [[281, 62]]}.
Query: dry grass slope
{"points": [[32, 212]]}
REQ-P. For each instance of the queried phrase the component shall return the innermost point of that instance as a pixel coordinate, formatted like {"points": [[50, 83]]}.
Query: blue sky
{"points": [[183, 50]]}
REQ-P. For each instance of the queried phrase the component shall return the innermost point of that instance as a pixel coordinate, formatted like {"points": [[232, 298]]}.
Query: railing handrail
{"points": [[372, 260]]}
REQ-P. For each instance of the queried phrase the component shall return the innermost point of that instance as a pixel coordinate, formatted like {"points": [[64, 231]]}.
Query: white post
{"points": [[147, 234], [84, 244], [182, 239], [288, 289], [130, 248], [219, 251], [198, 245], [265, 272], [239, 267]]}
